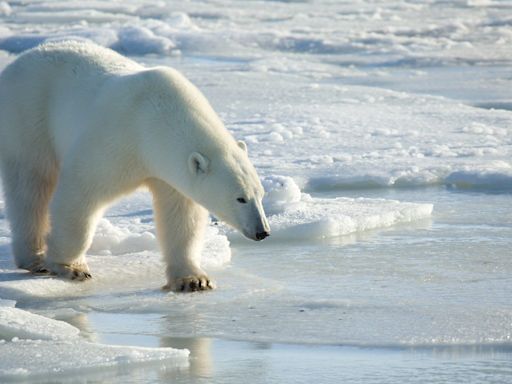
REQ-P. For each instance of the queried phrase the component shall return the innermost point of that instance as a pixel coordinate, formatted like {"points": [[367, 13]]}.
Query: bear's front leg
{"points": [[180, 224]]}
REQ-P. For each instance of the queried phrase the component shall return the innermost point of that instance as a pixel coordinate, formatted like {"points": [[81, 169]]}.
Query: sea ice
{"points": [[124, 253], [17, 323], [296, 216], [497, 178], [333, 97], [5, 8], [32, 344], [7, 303], [317, 218], [22, 359]]}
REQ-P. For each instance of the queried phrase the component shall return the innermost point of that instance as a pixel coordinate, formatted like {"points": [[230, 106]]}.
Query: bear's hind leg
{"points": [[28, 193], [74, 212], [180, 224]]}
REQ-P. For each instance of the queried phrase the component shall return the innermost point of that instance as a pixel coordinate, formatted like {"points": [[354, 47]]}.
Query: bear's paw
{"points": [[77, 272], [190, 284], [34, 264]]}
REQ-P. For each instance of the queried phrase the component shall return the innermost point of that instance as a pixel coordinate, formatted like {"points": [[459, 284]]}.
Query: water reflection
{"points": [[201, 359], [235, 361]]}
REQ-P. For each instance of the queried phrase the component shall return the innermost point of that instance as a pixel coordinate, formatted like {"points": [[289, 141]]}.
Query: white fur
{"points": [[81, 125]]}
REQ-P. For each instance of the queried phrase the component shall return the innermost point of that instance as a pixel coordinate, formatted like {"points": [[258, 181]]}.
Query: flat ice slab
{"points": [[34, 345], [17, 323], [299, 216], [23, 358], [317, 218]]}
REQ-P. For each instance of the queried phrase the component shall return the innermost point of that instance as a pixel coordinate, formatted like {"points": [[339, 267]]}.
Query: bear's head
{"points": [[229, 187], [185, 144]]}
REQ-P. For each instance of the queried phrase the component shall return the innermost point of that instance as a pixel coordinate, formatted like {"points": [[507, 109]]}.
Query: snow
{"points": [[382, 133], [372, 151], [125, 232], [281, 192], [5, 8], [141, 41]]}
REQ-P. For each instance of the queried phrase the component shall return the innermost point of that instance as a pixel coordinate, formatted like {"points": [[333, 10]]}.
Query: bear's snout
{"points": [[262, 235]]}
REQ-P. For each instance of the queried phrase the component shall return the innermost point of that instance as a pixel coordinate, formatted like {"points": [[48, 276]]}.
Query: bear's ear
{"points": [[242, 145], [197, 163]]}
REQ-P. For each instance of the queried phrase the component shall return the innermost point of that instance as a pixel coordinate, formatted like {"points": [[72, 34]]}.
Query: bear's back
{"points": [[48, 92], [76, 56]]}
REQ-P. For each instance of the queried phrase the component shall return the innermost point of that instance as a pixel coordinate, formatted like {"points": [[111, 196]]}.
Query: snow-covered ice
{"points": [[299, 216], [382, 131], [323, 218]]}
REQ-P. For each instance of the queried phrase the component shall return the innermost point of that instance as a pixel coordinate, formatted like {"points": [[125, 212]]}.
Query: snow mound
{"points": [[111, 239], [295, 216], [128, 238], [5, 8], [280, 192], [16, 323], [137, 40], [217, 252]]}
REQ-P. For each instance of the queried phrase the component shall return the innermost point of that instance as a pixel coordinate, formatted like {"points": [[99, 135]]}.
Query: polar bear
{"points": [[81, 125]]}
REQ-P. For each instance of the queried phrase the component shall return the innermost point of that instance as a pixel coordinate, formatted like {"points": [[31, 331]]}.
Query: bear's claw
{"points": [[77, 272], [37, 268], [40, 270], [190, 284], [80, 275]]}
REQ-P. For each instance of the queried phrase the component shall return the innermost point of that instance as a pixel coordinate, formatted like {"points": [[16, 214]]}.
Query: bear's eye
{"points": [[241, 200]]}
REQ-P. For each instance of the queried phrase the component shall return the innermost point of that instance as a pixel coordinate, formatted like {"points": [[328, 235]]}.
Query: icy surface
{"points": [[16, 323], [383, 134], [406, 140], [299, 216], [304, 60], [24, 358], [34, 345], [124, 253], [324, 218]]}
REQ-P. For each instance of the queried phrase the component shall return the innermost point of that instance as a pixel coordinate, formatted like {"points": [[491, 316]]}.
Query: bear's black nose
{"points": [[262, 235]]}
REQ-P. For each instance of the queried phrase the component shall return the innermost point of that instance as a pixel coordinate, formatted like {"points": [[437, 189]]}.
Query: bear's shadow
{"points": [[10, 271]]}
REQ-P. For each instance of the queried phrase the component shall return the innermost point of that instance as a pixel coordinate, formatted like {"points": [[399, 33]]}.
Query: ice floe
{"points": [[34, 345], [41, 359], [17, 323], [299, 216], [323, 218]]}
